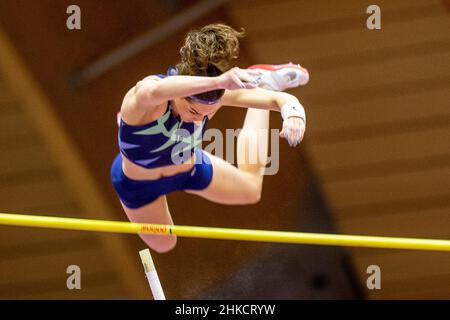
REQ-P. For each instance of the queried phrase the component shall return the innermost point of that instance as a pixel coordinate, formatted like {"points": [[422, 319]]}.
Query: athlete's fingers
{"points": [[247, 81], [236, 80], [253, 72], [244, 75], [250, 85], [293, 130]]}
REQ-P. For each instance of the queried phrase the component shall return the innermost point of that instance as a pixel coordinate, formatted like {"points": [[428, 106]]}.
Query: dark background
{"points": [[375, 159]]}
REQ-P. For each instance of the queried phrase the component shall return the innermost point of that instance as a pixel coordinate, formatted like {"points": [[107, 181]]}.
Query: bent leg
{"points": [[253, 144], [156, 212], [229, 185], [242, 185]]}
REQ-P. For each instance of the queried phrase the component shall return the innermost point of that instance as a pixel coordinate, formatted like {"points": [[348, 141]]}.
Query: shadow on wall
{"points": [[286, 271]]}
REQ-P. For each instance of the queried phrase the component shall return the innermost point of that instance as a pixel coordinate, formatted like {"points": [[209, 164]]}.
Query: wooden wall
{"points": [[378, 131], [33, 262], [88, 115], [377, 138]]}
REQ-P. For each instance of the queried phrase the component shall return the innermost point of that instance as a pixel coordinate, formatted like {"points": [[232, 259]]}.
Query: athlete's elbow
{"points": [[146, 93]]}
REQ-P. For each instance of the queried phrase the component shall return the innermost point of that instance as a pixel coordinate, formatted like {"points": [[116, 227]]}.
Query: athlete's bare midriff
{"points": [[136, 172]]}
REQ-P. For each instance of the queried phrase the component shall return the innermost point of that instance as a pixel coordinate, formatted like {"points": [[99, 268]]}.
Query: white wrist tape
{"points": [[293, 108]]}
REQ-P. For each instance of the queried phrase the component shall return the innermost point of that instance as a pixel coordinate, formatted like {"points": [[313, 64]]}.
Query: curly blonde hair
{"points": [[214, 45]]}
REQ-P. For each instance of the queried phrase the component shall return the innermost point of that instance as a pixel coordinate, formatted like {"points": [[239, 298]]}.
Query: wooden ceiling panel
{"points": [[329, 50], [25, 158], [50, 265], [397, 266], [100, 291], [425, 223], [35, 193], [433, 64], [381, 149], [12, 123], [64, 207], [393, 187], [379, 123], [282, 14], [323, 121], [16, 237], [435, 288]]}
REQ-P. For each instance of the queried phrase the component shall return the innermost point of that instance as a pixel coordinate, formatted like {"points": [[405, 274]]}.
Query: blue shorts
{"points": [[137, 193]]}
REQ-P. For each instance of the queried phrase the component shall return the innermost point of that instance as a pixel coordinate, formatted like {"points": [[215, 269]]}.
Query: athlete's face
{"points": [[191, 111]]}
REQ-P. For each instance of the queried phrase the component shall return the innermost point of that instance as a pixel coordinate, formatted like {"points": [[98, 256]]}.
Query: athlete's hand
{"points": [[293, 130], [237, 78]]}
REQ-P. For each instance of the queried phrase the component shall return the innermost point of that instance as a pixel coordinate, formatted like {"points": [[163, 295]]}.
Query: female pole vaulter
{"points": [[162, 114]]}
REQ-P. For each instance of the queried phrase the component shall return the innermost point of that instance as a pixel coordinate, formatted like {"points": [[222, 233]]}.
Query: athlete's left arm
{"points": [[292, 111], [256, 98]]}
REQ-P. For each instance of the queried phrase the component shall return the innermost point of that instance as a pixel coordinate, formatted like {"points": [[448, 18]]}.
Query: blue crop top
{"points": [[165, 141]]}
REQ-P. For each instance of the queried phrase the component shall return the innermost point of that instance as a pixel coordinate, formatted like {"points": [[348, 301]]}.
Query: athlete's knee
{"points": [[254, 198], [253, 193], [165, 245], [161, 244]]}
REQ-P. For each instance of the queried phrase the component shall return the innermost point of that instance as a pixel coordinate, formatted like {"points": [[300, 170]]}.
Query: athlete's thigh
{"points": [[229, 185], [156, 212]]}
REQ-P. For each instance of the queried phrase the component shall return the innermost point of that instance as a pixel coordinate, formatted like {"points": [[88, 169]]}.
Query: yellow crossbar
{"points": [[224, 233]]}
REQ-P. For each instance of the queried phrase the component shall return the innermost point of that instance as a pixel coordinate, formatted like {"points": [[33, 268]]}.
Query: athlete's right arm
{"points": [[151, 92]]}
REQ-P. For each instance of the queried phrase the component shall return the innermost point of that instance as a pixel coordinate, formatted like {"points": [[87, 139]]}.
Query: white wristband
{"points": [[293, 108]]}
